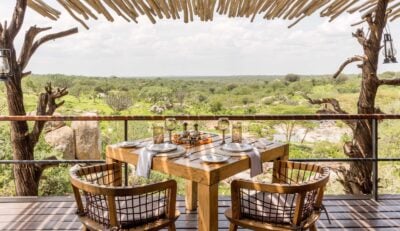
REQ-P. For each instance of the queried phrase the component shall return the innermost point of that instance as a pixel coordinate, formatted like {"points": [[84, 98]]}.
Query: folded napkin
{"points": [[255, 162], [255, 159], [144, 162]]}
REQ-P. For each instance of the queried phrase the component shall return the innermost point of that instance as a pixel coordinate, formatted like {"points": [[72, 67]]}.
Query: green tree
{"points": [[119, 101], [292, 78]]}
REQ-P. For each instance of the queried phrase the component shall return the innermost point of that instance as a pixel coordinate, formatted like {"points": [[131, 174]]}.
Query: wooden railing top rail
{"points": [[203, 117]]}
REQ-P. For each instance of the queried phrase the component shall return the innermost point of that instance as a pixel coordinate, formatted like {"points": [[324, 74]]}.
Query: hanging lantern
{"points": [[5, 68], [388, 50]]}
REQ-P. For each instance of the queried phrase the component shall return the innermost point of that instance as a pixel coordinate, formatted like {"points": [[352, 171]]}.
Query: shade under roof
{"points": [[204, 10]]}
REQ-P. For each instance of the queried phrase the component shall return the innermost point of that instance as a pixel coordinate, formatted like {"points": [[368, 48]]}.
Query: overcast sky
{"points": [[222, 47]]}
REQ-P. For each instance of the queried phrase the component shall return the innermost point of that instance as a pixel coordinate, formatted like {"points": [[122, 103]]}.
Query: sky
{"points": [[225, 46]]}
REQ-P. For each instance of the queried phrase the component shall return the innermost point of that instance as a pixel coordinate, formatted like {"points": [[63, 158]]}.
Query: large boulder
{"points": [[62, 139], [87, 139], [53, 125]]}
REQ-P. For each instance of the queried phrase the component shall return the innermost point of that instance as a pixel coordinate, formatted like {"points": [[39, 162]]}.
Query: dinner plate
{"points": [[128, 144], [214, 158], [164, 147], [179, 151], [237, 147]]}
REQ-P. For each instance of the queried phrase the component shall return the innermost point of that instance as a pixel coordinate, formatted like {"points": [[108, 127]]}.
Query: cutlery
{"points": [[187, 155]]}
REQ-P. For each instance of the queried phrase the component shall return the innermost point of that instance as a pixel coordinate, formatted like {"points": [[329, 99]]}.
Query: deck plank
{"points": [[58, 213]]}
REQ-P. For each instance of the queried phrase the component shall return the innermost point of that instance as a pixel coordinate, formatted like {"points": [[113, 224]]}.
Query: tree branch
{"points": [[45, 39], [334, 102], [47, 105], [336, 109], [360, 36], [24, 74], [356, 58], [41, 167], [27, 46], [392, 82], [17, 18]]}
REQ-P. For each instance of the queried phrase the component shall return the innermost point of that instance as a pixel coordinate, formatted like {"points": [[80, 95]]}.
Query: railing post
{"points": [[126, 139], [375, 159]]}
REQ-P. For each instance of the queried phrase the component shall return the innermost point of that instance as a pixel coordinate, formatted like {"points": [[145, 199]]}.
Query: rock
{"points": [[53, 125], [62, 139], [87, 138]]}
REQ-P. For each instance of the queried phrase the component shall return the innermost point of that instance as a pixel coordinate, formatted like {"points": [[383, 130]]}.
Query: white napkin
{"points": [[144, 162], [255, 162]]}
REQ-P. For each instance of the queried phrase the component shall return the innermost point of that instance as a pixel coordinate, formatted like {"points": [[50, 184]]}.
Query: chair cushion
{"points": [[131, 210], [268, 207]]}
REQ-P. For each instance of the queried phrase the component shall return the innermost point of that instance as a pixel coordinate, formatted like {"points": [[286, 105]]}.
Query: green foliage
{"points": [[292, 78], [119, 101], [215, 107], [198, 96]]}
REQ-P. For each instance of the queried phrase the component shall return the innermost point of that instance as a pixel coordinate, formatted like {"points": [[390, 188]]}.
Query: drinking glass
{"points": [[170, 125], [223, 125], [158, 134], [237, 132]]}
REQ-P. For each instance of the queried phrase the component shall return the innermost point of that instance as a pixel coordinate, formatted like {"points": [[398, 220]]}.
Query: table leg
{"points": [[116, 176], [208, 207], [191, 195]]}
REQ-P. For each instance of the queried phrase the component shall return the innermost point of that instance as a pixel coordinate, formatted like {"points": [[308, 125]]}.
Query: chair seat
{"points": [[156, 225], [141, 209], [268, 207]]}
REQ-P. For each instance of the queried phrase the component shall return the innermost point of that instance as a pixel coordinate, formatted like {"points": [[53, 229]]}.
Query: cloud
{"points": [[222, 47]]}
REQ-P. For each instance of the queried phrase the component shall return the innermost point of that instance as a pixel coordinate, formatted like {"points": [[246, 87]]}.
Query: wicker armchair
{"points": [[292, 202], [109, 207]]}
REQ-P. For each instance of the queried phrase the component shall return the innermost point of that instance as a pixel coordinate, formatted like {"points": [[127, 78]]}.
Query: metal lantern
{"points": [[388, 50], [5, 68]]}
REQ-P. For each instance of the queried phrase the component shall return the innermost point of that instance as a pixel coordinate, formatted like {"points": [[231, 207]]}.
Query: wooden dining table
{"points": [[201, 178]]}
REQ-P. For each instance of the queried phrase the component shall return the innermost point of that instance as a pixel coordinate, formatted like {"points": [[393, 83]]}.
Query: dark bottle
{"points": [[185, 133]]}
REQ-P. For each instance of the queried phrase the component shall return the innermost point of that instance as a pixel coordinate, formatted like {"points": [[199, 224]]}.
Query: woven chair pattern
{"points": [[279, 208], [131, 210]]}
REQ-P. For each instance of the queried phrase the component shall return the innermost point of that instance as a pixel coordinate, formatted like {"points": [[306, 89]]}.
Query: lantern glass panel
{"points": [[4, 63]]}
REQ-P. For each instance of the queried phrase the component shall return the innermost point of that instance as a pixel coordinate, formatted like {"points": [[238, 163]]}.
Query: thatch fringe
{"points": [[131, 10]]}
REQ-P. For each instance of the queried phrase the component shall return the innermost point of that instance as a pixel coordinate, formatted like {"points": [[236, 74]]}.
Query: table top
{"points": [[193, 168]]}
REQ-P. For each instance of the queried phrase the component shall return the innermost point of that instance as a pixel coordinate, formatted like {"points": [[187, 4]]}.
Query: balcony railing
{"points": [[373, 118]]}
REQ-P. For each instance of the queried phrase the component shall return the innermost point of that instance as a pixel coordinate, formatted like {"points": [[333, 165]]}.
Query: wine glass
{"points": [[170, 125], [223, 125]]}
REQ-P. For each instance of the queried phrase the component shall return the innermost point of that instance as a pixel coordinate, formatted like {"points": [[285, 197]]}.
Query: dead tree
{"points": [[358, 178], [24, 139]]}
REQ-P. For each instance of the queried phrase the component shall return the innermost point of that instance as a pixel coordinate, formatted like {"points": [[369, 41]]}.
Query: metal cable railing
{"points": [[374, 118]]}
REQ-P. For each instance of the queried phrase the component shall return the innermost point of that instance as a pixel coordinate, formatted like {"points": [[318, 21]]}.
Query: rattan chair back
{"points": [[291, 202], [102, 204]]}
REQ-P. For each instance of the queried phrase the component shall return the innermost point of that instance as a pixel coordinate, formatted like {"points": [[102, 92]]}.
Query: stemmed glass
{"points": [[223, 125], [170, 125]]}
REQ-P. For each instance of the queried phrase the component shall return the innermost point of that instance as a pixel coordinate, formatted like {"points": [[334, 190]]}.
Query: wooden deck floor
{"points": [[57, 213]]}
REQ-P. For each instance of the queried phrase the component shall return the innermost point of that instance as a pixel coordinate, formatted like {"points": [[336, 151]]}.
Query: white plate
{"points": [[128, 144], [164, 147], [172, 154], [214, 158], [237, 147]]}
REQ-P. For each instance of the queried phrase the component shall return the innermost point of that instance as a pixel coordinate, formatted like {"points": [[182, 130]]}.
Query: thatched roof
{"points": [[188, 10]]}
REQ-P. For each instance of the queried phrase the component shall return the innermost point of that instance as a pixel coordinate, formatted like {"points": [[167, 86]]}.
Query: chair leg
{"points": [[171, 227], [313, 227], [233, 227]]}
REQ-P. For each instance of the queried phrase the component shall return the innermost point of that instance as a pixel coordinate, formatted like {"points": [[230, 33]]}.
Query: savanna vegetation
{"points": [[209, 95]]}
